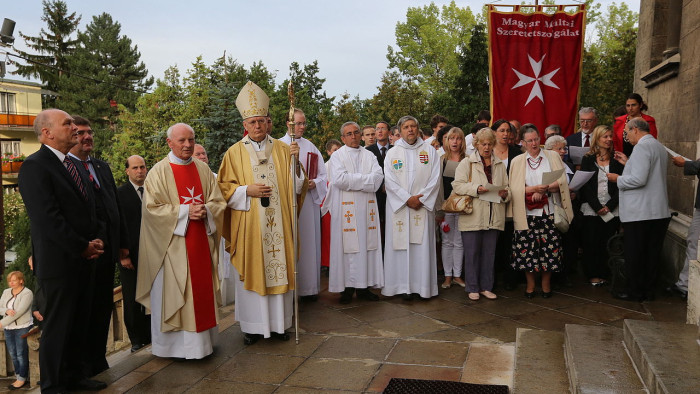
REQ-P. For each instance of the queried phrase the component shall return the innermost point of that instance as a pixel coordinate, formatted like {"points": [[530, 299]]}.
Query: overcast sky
{"points": [[348, 38]]}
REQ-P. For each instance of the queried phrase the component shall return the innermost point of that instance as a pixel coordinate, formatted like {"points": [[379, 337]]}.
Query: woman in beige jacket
{"points": [[536, 242], [480, 229]]}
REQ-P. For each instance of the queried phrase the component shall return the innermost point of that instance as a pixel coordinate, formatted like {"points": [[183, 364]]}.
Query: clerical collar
{"points": [[176, 160], [258, 145]]}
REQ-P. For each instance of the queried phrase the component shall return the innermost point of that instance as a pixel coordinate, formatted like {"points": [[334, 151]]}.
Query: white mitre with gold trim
{"points": [[252, 101]]}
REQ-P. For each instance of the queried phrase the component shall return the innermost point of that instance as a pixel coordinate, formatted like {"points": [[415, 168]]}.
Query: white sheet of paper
{"points": [[608, 217], [576, 153], [580, 178], [550, 177], [674, 154], [492, 194]]}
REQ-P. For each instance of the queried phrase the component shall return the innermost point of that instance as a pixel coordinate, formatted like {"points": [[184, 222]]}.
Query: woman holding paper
{"points": [[536, 242], [483, 176], [599, 208]]}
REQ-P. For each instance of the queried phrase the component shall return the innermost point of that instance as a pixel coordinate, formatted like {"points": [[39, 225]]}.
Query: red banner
{"points": [[535, 67]]}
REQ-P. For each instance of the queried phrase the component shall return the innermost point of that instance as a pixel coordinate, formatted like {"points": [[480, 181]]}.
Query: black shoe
{"points": [[11, 387], [407, 297], [365, 294], [627, 297], [530, 295], [546, 294], [675, 290], [249, 339], [87, 384], [136, 347], [282, 337], [346, 295]]}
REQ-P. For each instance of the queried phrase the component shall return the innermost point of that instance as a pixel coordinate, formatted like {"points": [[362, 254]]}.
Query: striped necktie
{"points": [[86, 164], [73, 171]]}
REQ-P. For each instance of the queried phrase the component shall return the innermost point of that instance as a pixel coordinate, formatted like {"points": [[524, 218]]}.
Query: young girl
{"points": [[16, 312]]}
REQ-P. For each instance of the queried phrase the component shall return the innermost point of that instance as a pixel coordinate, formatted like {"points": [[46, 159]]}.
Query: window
{"points": [[10, 146], [7, 103]]}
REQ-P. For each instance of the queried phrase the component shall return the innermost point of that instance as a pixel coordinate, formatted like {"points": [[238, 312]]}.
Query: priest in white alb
{"points": [[256, 181], [177, 273], [412, 176], [309, 268], [356, 252]]}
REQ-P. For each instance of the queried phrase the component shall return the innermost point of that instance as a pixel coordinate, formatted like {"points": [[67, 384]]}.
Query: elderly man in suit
{"points": [[64, 227], [138, 323], [588, 120], [113, 232], [644, 210]]}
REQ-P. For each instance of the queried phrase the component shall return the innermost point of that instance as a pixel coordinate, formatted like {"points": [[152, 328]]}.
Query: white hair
{"points": [[169, 133]]}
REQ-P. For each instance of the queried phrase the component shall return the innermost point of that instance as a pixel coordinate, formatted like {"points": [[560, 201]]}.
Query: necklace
{"points": [[534, 164]]}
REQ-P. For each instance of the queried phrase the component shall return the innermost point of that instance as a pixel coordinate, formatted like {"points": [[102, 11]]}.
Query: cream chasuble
{"points": [[410, 263], [355, 255]]}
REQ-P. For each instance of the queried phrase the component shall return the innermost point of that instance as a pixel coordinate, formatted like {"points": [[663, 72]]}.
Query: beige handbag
{"points": [[456, 203]]}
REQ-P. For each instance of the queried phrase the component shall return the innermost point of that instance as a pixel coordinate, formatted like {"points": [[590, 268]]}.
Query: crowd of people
{"points": [[382, 216]]}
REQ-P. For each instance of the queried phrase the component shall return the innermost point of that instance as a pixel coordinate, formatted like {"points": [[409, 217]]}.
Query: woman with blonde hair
{"points": [[452, 250], [16, 312], [599, 204], [536, 242], [480, 229]]}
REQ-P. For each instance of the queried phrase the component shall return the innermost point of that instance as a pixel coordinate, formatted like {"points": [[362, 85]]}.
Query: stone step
{"points": [[666, 355], [539, 362], [489, 363], [597, 361]]}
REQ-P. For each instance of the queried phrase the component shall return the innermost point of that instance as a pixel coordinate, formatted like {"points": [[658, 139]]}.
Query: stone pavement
{"points": [[359, 347]]}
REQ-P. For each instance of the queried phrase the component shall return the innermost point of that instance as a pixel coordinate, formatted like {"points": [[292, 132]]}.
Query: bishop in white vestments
{"points": [[412, 176], [355, 253]]}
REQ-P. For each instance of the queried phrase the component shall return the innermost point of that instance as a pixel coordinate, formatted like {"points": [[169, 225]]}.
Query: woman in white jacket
{"points": [[480, 229], [16, 311]]}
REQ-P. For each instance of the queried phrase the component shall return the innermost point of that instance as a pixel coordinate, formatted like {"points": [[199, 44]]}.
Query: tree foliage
{"points": [[471, 89], [427, 45], [51, 47]]}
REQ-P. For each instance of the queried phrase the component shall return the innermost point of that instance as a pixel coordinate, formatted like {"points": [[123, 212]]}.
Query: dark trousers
{"points": [[66, 313], [479, 255], [504, 252], [138, 323], [596, 233], [642, 243], [102, 299]]}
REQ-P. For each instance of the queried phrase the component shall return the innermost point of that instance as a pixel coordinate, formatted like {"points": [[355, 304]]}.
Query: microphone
{"points": [[265, 201]]}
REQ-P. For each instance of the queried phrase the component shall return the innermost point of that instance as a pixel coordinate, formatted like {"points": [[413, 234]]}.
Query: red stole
{"points": [[189, 188]]}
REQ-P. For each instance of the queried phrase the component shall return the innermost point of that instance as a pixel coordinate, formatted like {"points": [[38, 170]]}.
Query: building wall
{"points": [[675, 103]]}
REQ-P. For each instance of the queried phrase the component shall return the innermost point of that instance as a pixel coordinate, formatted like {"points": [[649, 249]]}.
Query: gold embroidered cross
{"points": [[417, 219], [348, 215], [371, 214], [400, 224], [273, 251]]}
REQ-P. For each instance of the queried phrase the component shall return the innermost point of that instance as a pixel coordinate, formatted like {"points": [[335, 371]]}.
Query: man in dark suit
{"points": [[588, 120], [113, 232], [379, 149], [138, 324], [61, 209]]}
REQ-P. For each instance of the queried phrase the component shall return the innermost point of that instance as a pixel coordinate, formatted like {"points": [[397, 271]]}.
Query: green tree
{"points": [[52, 47], [471, 89], [395, 98], [427, 44], [608, 62], [104, 69]]}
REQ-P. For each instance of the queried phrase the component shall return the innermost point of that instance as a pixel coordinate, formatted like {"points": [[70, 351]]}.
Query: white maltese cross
{"points": [[536, 70], [191, 198]]}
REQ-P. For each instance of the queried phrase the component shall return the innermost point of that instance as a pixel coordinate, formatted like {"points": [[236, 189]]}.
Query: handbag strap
{"points": [[470, 171]]}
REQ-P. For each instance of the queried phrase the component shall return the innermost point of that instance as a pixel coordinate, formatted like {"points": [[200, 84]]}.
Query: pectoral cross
{"points": [[348, 215], [400, 224], [371, 214], [417, 219], [273, 251]]}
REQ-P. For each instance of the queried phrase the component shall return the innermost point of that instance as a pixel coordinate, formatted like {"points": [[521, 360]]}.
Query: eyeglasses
{"points": [[258, 121], [300, 124], [352, 133], [586, 120], [536, 140]]}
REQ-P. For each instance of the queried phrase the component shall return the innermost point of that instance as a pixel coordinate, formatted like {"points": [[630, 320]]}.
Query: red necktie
{"points": [[586, 142]]}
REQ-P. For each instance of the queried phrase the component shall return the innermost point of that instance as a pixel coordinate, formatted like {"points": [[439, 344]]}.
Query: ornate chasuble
{"points": [[189, 188], [270, 217]]}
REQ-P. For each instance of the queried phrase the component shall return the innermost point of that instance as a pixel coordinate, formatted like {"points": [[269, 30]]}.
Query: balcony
{"points": [[16, 120]]}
